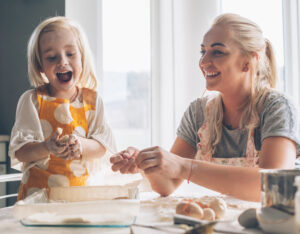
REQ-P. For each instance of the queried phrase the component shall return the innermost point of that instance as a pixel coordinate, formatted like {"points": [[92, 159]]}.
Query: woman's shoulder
{"points": [[278, 99], [201, 102]]}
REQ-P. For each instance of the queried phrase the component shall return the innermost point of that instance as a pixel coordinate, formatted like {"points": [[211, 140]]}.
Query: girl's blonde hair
{"points": [[249, 38], [36, 78]]}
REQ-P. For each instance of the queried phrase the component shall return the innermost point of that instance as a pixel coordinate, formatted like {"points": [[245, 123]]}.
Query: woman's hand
{"points": [[124, 161], [156, 160]]}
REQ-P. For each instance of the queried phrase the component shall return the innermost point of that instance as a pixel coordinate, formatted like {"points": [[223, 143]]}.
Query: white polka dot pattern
{"points": [[79, 131], [32, 190], [25, 177], [77, 168], [62, 114], [48, 98], [58, 180]]}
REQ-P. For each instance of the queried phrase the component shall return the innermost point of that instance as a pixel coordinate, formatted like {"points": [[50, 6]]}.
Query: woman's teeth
{"points": [[212, 74]]}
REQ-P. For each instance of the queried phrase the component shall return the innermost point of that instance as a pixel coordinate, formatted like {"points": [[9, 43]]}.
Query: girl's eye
{"points": [[71, 54], [202, 52], [51, 58]]}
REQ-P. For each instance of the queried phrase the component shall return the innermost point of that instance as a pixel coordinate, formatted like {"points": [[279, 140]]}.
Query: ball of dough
{"points": [[209, 214], [219, 206], [63, 140], [190, 209]]}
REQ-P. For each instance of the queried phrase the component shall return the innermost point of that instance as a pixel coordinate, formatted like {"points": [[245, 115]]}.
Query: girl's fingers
{"points": [[115, 159], [126, 166]]}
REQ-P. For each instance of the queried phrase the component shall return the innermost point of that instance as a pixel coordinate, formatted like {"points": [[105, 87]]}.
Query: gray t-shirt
{"points": [[278, 117]]}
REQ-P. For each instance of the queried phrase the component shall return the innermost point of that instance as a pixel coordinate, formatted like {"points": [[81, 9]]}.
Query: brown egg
{"points": [[190, 209], [209, 214], [219, 206]]}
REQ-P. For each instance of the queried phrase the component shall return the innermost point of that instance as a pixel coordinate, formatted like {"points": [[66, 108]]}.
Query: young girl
{"points": [[60, 127]]}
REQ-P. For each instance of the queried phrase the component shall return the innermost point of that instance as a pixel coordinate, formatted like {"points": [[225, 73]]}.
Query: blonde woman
{"points": [[225, 138], [60, 125]]}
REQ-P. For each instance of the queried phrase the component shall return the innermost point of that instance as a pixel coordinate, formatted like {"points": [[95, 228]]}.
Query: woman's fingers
{"points": [[148, 163], [147, 155]]}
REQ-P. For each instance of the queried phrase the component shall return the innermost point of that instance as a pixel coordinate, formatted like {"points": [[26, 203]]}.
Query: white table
{"points": [[148, 215]]}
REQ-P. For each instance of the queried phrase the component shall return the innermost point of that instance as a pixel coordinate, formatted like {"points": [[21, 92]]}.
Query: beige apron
{"points": [[248, 160]]}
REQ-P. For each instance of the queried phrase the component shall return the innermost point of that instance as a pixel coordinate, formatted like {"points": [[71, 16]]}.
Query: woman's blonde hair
{"points": [[36, 78], [249, 38]]}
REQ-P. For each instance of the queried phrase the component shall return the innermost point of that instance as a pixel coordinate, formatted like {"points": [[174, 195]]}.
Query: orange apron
{"points": [[72, 118], [248, 160]]}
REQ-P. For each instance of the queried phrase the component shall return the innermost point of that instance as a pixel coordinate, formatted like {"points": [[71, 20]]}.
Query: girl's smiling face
{"points": [[61, 61], [222, 64]]}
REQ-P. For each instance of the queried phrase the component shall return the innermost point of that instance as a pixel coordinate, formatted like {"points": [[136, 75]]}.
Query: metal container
{"points": [[278, 189]]}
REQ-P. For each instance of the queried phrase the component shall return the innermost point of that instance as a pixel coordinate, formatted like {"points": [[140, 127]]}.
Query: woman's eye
{"points": [[217, 52], [202, 52]]}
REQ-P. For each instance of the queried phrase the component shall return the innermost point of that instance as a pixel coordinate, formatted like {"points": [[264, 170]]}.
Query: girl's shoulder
{"points": [[89, 96], [28, 94]]}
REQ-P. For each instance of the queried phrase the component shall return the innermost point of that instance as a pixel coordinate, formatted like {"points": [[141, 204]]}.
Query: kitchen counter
{"points": [[154, 211]]}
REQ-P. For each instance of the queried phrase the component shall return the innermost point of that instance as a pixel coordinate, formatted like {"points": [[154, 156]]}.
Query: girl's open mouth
{"points": [[64, 76]]}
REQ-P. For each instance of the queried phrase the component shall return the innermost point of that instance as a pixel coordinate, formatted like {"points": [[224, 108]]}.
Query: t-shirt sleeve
{"points": [[188, 126], [99, 129], [27, 127], [280, 118]]}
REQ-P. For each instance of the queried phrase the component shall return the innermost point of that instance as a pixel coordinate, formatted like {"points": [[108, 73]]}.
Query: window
{"points": [[256, 11], [126, 83]]}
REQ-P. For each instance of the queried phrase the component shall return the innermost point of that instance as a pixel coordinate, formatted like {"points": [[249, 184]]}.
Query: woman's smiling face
{"points": [[61, 59], [222, 63]]}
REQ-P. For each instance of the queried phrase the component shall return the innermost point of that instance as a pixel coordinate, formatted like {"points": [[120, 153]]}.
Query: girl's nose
{"points": [[63, 60]]}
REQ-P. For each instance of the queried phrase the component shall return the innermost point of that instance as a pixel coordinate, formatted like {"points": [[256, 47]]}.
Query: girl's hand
{"points": [[124, 161], [159, 161], [74, 147], [55, 147]]}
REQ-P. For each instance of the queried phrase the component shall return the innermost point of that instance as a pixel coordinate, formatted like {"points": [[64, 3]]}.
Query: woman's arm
{"points": [[166, 171], [172, 163]]}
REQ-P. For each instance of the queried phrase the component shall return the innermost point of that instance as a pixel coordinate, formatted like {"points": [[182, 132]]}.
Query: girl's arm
{"points": [[32, 152], [91, 148], [165, 170]]}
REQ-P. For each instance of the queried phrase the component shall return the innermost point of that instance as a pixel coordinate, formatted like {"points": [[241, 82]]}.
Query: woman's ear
{"points": [[246, 67]]}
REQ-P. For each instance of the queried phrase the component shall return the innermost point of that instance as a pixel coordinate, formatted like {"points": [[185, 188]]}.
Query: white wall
{"points": [[177, 28], [88, 14]]}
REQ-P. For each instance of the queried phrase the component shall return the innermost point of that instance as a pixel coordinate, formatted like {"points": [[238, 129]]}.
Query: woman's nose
{"points": [[204, 62]]}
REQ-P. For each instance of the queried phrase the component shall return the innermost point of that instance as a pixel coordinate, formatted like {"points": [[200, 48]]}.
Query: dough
{"points": [[189, 208]]}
